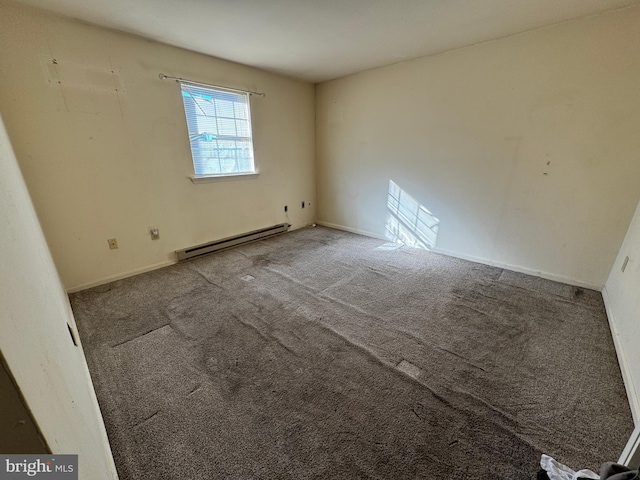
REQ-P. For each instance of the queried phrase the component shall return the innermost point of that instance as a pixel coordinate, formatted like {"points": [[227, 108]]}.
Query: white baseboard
{"points": [[630, 456], [520, 269], [485, 261], [632, 395], [352, 230], [120, 276]]}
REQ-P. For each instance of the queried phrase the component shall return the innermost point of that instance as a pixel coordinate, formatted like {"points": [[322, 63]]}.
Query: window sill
{"points": [[221, 178]]}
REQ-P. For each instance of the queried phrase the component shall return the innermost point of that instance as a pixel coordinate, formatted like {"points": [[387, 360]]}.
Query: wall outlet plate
{"points": [[113, 243]]}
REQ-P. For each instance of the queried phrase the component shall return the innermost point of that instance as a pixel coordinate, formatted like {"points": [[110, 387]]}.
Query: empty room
{"points": [[300, 239]]}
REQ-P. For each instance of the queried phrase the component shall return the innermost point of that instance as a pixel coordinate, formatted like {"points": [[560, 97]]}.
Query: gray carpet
{"points": [[324, 354]]}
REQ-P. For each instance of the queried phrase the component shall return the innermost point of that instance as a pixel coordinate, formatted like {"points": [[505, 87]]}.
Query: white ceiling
{"points": [[318, 40]]}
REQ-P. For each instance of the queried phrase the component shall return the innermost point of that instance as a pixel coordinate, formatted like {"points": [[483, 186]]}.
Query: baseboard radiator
{"points": [[217, 245]]}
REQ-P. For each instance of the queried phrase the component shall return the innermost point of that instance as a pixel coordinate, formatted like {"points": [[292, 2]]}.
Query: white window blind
{"points": [[219, 124]]}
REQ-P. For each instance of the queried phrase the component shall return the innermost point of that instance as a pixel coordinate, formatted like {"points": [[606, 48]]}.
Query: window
{"points": [[219, 124]]}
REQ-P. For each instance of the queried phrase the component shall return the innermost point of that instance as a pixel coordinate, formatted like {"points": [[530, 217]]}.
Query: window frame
{"points": [[213, 176]]}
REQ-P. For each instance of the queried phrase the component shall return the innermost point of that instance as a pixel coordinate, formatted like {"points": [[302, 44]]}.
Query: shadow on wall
{"points": [[409, 222]]}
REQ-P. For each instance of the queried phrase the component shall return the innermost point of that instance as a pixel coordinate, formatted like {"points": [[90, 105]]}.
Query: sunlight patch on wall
{"points": [[409, 222]]}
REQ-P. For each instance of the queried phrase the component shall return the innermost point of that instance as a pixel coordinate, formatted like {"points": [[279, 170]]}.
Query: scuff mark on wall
{"points": [[84, 88]]}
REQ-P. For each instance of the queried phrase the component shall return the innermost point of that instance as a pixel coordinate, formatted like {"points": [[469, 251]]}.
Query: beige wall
{"points": [[101, 163], [622, 298], [18, 431], [525, 148], [35, 342], [521, 147]]}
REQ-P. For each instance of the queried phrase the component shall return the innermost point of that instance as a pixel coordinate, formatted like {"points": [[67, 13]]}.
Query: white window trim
{"points": [[217, 178], [208, 178]]}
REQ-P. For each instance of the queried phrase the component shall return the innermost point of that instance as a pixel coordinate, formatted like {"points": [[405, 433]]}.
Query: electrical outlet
{"points": [[113, 243], [155, 233]]}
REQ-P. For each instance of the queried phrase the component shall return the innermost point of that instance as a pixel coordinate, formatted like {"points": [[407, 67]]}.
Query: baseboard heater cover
{"points": [[217, 245]]}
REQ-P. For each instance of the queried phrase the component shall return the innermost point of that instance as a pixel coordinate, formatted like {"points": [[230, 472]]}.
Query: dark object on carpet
{"points": [[324, 354], [542, 475], [613, 471]]}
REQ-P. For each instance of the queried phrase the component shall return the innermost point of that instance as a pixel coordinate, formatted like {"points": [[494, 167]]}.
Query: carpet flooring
{"points": [[323, 354]]}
